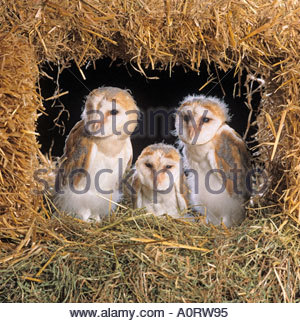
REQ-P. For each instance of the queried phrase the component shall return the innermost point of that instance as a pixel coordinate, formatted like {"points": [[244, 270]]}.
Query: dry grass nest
{"points": [[135, 257]]}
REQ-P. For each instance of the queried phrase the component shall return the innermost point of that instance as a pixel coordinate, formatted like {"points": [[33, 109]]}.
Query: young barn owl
{"points": [[158, 181], [217, 159], [97, 153]]}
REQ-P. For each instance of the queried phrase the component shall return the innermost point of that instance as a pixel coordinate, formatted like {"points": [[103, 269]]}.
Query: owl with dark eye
{"points": [[159, 182], [218, 158], [89, 175]]}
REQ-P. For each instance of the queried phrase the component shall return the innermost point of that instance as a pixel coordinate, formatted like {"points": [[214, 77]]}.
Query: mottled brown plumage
{"points": [[216, 157], [159, 181], [99, 149]]}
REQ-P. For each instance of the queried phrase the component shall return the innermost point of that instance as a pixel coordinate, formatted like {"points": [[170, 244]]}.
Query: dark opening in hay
{"points": [[162, 90]]}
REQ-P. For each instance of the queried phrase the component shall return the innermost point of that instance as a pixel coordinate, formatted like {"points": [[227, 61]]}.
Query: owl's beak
{"points": [[161, 178], [158, 179], [191, 132], [95, 127]]}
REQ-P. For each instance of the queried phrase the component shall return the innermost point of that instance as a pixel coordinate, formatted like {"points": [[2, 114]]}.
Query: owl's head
{"points": [[109, 111], [158, 166], [198, 118]]}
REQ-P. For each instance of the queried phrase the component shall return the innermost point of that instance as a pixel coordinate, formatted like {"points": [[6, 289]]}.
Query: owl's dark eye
{"points": [[148, 165], [114, 112], [169, 166], [186, 118], [205, 120]]}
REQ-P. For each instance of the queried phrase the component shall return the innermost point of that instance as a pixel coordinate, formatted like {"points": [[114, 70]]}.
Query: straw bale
{"points": [[18, 113], [250, 263]]}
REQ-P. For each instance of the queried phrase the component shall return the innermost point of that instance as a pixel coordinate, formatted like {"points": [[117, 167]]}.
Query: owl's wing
{"points": [[136, 185], [233, 159], [183, 189], [128, 177], [76, 155], [128, 167]]}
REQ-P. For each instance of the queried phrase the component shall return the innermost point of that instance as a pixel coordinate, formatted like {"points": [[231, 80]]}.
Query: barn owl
{"points": [[97, 153], [216, 159], [158, 181]]}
